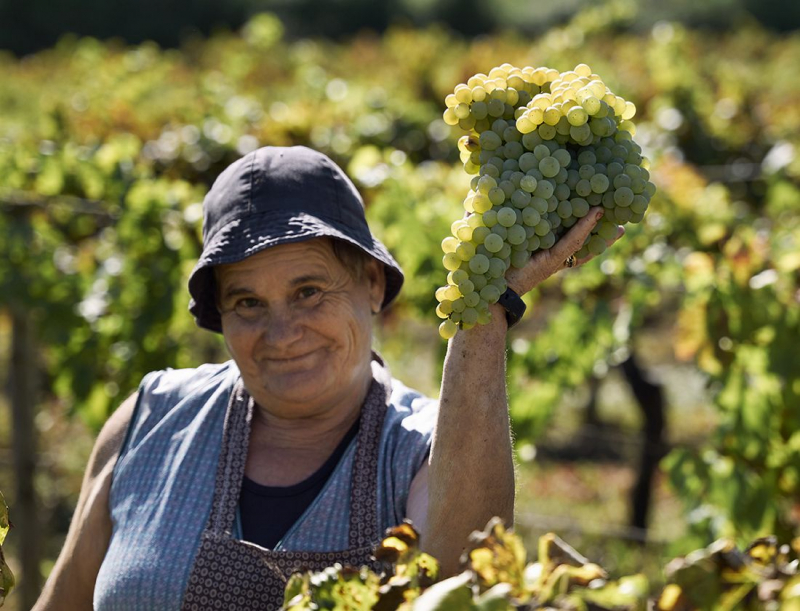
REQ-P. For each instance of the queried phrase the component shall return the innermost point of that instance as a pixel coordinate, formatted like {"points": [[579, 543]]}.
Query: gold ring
{"points": [[570, 261]]}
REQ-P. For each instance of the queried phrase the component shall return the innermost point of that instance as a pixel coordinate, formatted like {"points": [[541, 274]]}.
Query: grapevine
{"points": [[545, 148]]}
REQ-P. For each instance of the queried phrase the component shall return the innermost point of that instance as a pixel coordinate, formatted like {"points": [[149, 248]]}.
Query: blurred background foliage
{"points": [[108, 146]]}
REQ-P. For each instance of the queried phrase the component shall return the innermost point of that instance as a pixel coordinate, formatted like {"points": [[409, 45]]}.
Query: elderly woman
{"points": [[210, 486]]}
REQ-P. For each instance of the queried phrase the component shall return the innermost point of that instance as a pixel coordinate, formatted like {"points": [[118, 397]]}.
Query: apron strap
{"points": [[232, 459]]}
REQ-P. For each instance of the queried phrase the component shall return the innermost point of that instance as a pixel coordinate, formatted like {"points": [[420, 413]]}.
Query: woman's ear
{"points": [[376, 279]]}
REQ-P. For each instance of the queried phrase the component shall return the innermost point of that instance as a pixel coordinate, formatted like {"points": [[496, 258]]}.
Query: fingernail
{"points": [[599, 215]]}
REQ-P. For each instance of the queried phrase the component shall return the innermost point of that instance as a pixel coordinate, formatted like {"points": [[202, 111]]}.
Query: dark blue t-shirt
{"points": [[268, 512]]}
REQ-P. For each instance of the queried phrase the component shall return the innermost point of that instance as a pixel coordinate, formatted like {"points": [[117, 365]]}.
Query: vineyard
{"points": [[107, 150]]}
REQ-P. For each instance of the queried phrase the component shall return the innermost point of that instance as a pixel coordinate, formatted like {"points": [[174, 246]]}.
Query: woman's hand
{"points": [[547, 262]]}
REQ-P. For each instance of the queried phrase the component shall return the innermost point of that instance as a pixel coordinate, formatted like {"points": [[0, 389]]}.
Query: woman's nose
{"points": [[281, 327]]}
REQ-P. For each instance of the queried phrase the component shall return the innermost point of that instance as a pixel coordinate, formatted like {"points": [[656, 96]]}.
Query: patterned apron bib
{"points": [[231, 574]]}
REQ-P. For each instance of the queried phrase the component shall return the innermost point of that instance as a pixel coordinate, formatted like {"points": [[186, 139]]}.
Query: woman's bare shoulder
{"points": [[71, 583]]}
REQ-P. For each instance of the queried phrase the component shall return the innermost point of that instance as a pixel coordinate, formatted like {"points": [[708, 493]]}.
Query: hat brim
{"points": [[241, 239]]}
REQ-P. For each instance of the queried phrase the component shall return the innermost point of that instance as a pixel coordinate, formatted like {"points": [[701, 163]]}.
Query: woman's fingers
{"points": [[547, 262]]}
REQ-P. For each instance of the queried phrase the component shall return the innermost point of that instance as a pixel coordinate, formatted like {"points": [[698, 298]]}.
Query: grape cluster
{"points": [[545, 148]]}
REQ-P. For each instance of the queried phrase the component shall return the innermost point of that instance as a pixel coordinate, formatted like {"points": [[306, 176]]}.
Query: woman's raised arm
{"points": [[471, 469]]}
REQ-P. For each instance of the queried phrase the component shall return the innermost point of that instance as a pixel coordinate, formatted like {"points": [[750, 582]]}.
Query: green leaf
{"points": [[447, 595]]}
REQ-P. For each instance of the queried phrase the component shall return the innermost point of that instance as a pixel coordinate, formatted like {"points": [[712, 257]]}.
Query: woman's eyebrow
{"points": [[308, 278], [235, 291]]}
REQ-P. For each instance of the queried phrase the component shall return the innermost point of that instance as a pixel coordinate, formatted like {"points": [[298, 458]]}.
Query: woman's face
{"points": [[299, 327]]}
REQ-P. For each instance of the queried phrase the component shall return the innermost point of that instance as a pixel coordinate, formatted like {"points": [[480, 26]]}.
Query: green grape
{"points": [[486, 184], [581, 133], [622, 180], [608, 200], [448, 329], [478, 264], [638, 185], [622, 215], [539, 204], [549, 166], [511, 134], [464, 233], [465, 250], [489, 141], [552, 203], [459, 305], [577, 116], [520, 198], [543, 228], [479, 234], [500, 230], [606, 229], [528, 183], [452, 293], [531, 216], [528, 161], [547, 132], [497, 196], [591, 104], [562, 156], [449, 244], [497, 267], [449, 117], [544, 189], [469, 316], [541, 152], [636, 217], [562, 192], [623, 197], [481, 203], [444, 309], [478, 281], [531, 140], [507, 187], [599, 183], [493, 243], [564, 209], [471, 300], [513, 150], [583, 188], [504, 252], [586, 172], [451, 261], [490, 293], [516, 235], [594, 199], [457, 277], [580, 207], [546, 241], [596, 245], [466, 287], [479, 110], [639, 204], [489, 219], [496, 108], [506, 216]]}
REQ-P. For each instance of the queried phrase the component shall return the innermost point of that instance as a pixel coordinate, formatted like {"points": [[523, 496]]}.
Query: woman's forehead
{"points": [[298, 257]]}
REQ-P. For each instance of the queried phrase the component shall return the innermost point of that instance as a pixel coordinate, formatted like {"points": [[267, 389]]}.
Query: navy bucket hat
{"points": [[279, 195]]}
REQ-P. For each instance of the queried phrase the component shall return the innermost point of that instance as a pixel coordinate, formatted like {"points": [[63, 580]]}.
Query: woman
{"points": [[210, 486]]}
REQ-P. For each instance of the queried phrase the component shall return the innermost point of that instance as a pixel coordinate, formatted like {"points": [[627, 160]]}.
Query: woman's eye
{"points": [[308, 291], [247, 304]]}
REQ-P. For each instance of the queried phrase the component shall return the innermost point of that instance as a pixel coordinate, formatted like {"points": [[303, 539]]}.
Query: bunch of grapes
{"points": [[545, 148]]}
